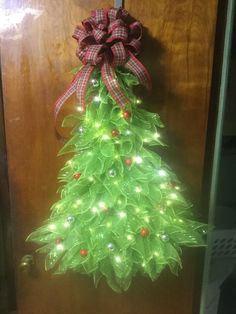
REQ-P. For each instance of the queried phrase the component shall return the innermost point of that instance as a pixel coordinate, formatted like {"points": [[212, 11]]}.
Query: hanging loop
{"points": [[118, 3]]}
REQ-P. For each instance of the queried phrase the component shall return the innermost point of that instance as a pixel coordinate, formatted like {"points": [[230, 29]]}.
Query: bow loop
{"points": [[119, 54], [99, 35], [134, 46], [100, 18], [136, 30], [89, 24], [83, 37]]}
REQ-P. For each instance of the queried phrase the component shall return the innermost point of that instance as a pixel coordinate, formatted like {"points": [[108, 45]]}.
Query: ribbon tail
{"points": [[77, 85], [63, 98], [112, 84], [81, 83], [139, 70]]}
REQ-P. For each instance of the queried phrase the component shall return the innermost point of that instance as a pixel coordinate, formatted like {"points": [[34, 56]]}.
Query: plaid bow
{"points": [[106, 39]]}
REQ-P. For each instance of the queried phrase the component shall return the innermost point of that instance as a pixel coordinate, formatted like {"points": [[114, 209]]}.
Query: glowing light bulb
{"points": [[168, 203], [118, 259], [173, 195], [180, 220], [145, 140], [146, 219], [116, 156], [66, 224], [162, 173], [81, 129], [156, 253], [60, 247], [143, 264], [101, 204], [108, 224], [177, 188], [97, 125], [52, 226], [91, 179], [105, 137], [94, 209], [129, 237], [137, 210], [122, 214], [69, 162], [119, 202], [156, 135], [162, 185], [79, 108], [162, 211], [138, 189], [78, 202], [89, 154], [97, 98], [138, 159], [138, 101]]}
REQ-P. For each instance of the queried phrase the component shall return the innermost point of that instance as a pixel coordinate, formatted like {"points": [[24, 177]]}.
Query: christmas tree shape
{"points": [[121, 210]]}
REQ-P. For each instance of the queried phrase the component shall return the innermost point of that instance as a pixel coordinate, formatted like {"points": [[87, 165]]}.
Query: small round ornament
{"points": [[115, 133], [83, 252], [126, 114], [94, 82], [128, 161], [70, 219], [164, 237], [110, 246], [77, 175], [58, 241], [144, 232], [127, 132], [112, 173]]}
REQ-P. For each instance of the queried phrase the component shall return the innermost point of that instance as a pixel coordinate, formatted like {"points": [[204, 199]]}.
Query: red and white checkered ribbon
{"points": [[106, 39]]}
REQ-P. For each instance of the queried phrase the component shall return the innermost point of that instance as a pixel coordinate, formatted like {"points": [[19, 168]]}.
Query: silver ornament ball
{"points": [[112, 173], [164, 237], [110, 246], [70, 219], [94, 82]]}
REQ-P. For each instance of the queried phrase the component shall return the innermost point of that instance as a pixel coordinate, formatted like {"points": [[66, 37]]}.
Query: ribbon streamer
{"points": [[106, 40]]}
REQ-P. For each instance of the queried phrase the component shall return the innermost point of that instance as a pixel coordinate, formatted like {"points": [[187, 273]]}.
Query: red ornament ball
{"points": [[144, 232], [83, 252], [58, 241], [77, 175], [126, 114], [128, 162], [114, 133]]}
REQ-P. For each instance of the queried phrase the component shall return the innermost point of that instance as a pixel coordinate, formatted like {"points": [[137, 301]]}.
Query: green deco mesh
{"points": [[121, 209]]}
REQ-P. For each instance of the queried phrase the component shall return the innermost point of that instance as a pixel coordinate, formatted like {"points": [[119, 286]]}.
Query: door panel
{"points": [[37, 54]]}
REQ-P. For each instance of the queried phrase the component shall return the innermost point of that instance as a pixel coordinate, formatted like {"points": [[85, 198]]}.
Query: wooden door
{"points": [[37, 54]]}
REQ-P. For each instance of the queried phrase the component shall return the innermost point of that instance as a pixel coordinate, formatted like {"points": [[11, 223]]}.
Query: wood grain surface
{"points": [[37, 55]]}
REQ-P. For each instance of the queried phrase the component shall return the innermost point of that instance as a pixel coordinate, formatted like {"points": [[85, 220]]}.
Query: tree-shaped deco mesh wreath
{"points": [[121, 209]]}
